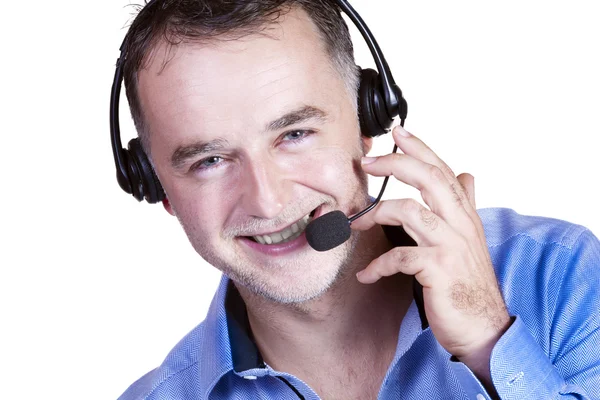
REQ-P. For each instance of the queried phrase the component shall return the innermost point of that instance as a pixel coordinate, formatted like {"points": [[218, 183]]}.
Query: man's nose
{"points": [[265, 193]]}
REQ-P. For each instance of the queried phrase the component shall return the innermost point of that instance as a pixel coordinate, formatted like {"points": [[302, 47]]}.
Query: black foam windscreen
{"points": [[328, 231]]}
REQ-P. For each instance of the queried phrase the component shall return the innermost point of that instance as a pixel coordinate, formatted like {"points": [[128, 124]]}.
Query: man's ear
{"points": [[367, 144], [168, 207]]}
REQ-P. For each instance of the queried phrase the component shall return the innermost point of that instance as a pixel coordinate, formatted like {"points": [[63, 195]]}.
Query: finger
{"points": [[410, 144], [424, 226], [417, 261], [415, 147], [441, 197], [467, 181]]}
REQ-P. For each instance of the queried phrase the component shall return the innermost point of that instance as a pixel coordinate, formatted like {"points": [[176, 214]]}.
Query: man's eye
{"points": [[207, 163], [296, 136]]}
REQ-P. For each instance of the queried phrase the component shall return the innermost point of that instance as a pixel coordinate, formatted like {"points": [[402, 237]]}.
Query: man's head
{"points": [[251, 132], [205, 21]]}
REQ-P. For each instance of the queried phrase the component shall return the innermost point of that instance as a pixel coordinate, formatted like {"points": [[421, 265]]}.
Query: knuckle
{"points": [[410, 206], [429, 219], [396, 157], [436, 174], [403, 257], [395, 163]]}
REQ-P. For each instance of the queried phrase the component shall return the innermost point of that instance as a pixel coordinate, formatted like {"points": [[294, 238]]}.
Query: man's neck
{"points": [[350, 323]]}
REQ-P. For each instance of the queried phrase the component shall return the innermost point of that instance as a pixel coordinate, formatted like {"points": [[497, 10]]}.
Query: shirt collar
{"points": [[215, 354], [228, 343], [244, 352]]}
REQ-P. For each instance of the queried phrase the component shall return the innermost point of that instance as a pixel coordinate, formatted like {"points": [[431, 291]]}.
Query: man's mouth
{"points": [[285, 235]]}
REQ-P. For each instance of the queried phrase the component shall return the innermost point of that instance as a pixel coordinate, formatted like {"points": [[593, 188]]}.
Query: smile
{"points": [[285, 235]]}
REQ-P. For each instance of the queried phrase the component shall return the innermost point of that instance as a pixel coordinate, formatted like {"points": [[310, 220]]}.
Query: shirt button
{"points": [[480, 397], [252, 377]]}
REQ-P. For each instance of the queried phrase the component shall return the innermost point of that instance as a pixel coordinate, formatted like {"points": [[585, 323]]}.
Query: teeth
{"points": [[276, 237], [288, 234]]}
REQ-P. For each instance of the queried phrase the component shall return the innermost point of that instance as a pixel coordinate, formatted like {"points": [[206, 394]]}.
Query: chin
{"points": [[298, 280], [299, 290]]}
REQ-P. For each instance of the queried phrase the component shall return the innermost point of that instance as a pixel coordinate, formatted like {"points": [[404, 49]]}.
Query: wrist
{"points": [[477, 358]]}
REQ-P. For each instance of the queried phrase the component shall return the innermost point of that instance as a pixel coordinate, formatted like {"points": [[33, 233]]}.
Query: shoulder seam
{"points": [[561, 244]]}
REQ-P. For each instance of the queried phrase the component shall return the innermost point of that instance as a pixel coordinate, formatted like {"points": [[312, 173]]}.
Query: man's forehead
{"points": [[294, 26], [265, 90], [210, 90], [290, 49]]}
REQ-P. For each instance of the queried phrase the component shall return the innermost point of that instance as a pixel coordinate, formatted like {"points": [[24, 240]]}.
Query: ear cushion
{"points": [[144, 180], [373, 117]]}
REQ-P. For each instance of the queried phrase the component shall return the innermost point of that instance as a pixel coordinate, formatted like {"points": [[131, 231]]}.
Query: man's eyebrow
{"points": [[184, 153], [297, 116]]}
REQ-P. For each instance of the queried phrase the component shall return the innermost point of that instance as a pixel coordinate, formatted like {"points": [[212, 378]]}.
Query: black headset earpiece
{"points": [[379, 101], [373, 118], [145, 183], [372, 110]]}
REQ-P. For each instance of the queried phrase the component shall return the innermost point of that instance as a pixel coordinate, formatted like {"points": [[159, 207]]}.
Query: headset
{"points": [[380, 100]]}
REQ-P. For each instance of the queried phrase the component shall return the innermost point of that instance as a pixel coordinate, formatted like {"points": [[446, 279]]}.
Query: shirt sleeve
{"points": [[520, 368]]}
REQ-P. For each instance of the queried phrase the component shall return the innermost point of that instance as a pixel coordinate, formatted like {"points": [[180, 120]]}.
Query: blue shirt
{"points": [[549, 274]]}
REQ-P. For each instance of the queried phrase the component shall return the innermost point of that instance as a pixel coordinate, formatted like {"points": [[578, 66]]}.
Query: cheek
{"points": [[332, 170], [201, 210]]}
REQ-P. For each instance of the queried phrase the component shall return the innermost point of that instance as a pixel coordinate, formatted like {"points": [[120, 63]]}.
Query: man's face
{"points": [[249, 137]]}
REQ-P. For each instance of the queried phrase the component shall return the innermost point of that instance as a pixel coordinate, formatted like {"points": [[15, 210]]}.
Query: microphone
{"points": [[332, 229], [328, 231]]}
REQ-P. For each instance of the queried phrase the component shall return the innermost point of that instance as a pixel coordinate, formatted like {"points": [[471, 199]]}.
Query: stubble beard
{"points": [[295, 280]]}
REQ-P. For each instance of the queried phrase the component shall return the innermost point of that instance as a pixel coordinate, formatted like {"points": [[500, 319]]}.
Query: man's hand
{"points": [[463, 303]]}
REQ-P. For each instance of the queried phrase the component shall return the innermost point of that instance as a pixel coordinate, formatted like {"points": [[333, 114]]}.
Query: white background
{"points": [[95, 288]]}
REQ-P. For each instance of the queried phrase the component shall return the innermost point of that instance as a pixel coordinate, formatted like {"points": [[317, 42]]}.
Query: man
{"points": [[248, 112]]}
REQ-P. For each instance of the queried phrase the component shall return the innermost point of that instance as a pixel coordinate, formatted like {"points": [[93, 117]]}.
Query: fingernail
{"points": [[368, 160], [402, 132], [359, 274]]}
